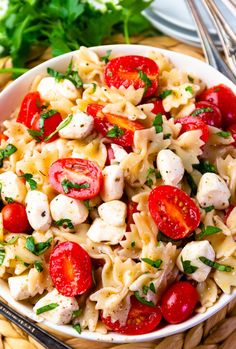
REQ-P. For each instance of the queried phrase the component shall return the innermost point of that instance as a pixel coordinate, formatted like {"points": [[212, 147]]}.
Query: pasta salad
{"points": [[117, 181]]}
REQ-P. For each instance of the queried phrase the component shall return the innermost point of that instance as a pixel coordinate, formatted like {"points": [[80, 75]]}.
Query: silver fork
{"points": [[43, 337], [211, 52]]}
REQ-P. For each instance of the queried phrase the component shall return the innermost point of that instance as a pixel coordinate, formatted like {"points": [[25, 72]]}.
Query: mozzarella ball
{"points": [[67, 89], [191, 252], [12, 187], [18, 286], [113, 183], [213, 191], [100, 231], [63, 207], [37, 209], [119, 154], [50, 89], [170, 166], [80, 126], [113, 212]]}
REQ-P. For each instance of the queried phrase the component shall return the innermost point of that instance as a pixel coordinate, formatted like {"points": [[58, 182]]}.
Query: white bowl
{"points": [[11, 97]]}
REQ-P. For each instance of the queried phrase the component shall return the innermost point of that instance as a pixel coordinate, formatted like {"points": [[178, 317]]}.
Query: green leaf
{"points": [[115, 132], [9, 200], [77, 313], [215, 265], [143, 300], [63, 124], [188, 267], [202, 110], [106, 57], [158, 122], [37, 248], [204, 167], [65, 222], [37, 135], [207, 231], [77, 327], [66, 185], [154, 264], [11, 241], [224, 134], [151, 173], [208, 208], [46, 308], [133, 244], [6, 152], [2, 255], [165, 94], [87, 205], [190, 79], [167, 136], [70, 74], [145, 79], [38, 266], [152, 287], [189, 89], [29, 178], [145, 289]]}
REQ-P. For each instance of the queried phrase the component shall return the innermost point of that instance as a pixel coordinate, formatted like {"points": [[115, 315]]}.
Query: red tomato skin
{"points": [[174, 212], [70, 268], [213, 118], [157, 107], [225, 99], [50, 125], [131, 209], [124, 71], [190, 123], [15, 218], [105, 121], [232, 130], [110, 155], [178, 302], [30, 106], [66, 169], [141, 319], [227, 213], [3, 137]]}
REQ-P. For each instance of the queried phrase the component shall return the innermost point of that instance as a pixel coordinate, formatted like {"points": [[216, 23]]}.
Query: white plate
{"points": [[10, 99], [177, 12]]}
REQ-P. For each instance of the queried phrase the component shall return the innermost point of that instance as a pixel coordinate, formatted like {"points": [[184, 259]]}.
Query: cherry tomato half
{"points": [[131, 209], [191, 123], [70, 268], [138, 71], [77, 178], [50, 124], [15, 219], [157, 107], [209, 113], [105, 122], [174, 212], [232, 130], [141, 319], [30, 106], [179, 302], [3, 137], [225, 99]]}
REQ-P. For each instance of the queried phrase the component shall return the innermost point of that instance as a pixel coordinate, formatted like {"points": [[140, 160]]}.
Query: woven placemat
{"points": [[218, 332]]}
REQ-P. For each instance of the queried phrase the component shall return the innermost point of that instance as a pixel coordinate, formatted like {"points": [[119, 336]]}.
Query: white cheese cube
{"points": [[80, 126], [212, 190], [191, 252], [18, 286], [119, 154], [100, 231], [113, 183], [37, 209], [113, 212], [170, 166], [12, 187], [51, 90]]}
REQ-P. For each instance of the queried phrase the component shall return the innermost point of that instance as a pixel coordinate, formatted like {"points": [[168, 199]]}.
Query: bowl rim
{"points": [[22, 307]]}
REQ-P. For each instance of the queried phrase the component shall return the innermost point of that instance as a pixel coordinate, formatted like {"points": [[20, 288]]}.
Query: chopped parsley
{"points": [[217, 89], [63, 124], [158, 122], [190, 79], [87, 205], [143, 300], [77, 313], [38, 266], [165, 94], [145, 289], [20, 260], [154, 264], [29, 178], [37, 135], [208, 230], [70, 74], [65, 222], [215, 265], [152, 287], [151, 172], [224, 134], [208, 208], [106, 57], [167, 136], [133, 244], [145, 79], [188, 267], [189, 89], [9, 200], [191, 183], [10, 242], [46, 308], [37, 248], [77, 327], [2, 255], [6, 152], [66, 185], [202, 110], [94, 87], [43, 116], [115, 132], [204, 167]]}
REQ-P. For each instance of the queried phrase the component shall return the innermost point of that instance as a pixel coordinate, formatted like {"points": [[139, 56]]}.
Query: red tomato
{"points": [[179, 302], [110, 154], [30, 106], [131, 209], [105, 122], [232, 130], [224, 98], [194, 123], [50, 124], [174, 212], [137, 71], [15, 219], [227, 213], [141, 319], [3, 137], [70, 268], [157, 107], [77, 178], [209, 113]]}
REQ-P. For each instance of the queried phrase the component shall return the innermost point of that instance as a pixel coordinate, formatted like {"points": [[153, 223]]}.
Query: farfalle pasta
{"points": [[117, 182]]}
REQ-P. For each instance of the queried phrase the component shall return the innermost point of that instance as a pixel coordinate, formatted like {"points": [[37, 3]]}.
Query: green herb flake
{"points": [[191, 183], [38, 266], [6, 152], [63, 124], [77, 327], [152, 287], [77, 313], [55, 74], [10, 242], [167, 136], [215, 265], [46, 308], [150, 173], [87, 205], [21, 261], [2, 255], [110, 73], [115, 132], [198, 111], [9, 200], [37, 248], [145, 289], [158, 122], [165, 94], [188, 267], [106, 57], [145, 79], [133, 244], [216, 89], [29, 179], [224, 134], [189, 89], [70, 74], [66, 185], [207, 231], [36, 135], [143, 300], [94, 87], [154, 264], [65, 222], [43, 116], [204, 167], [190, 79], [208, 208]]}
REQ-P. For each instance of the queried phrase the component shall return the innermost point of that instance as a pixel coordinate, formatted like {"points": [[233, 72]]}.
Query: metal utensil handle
{"points": [[44, 338]]}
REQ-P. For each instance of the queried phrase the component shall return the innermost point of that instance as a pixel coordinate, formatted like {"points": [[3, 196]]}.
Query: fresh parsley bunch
{"points": [[64, 25]]}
